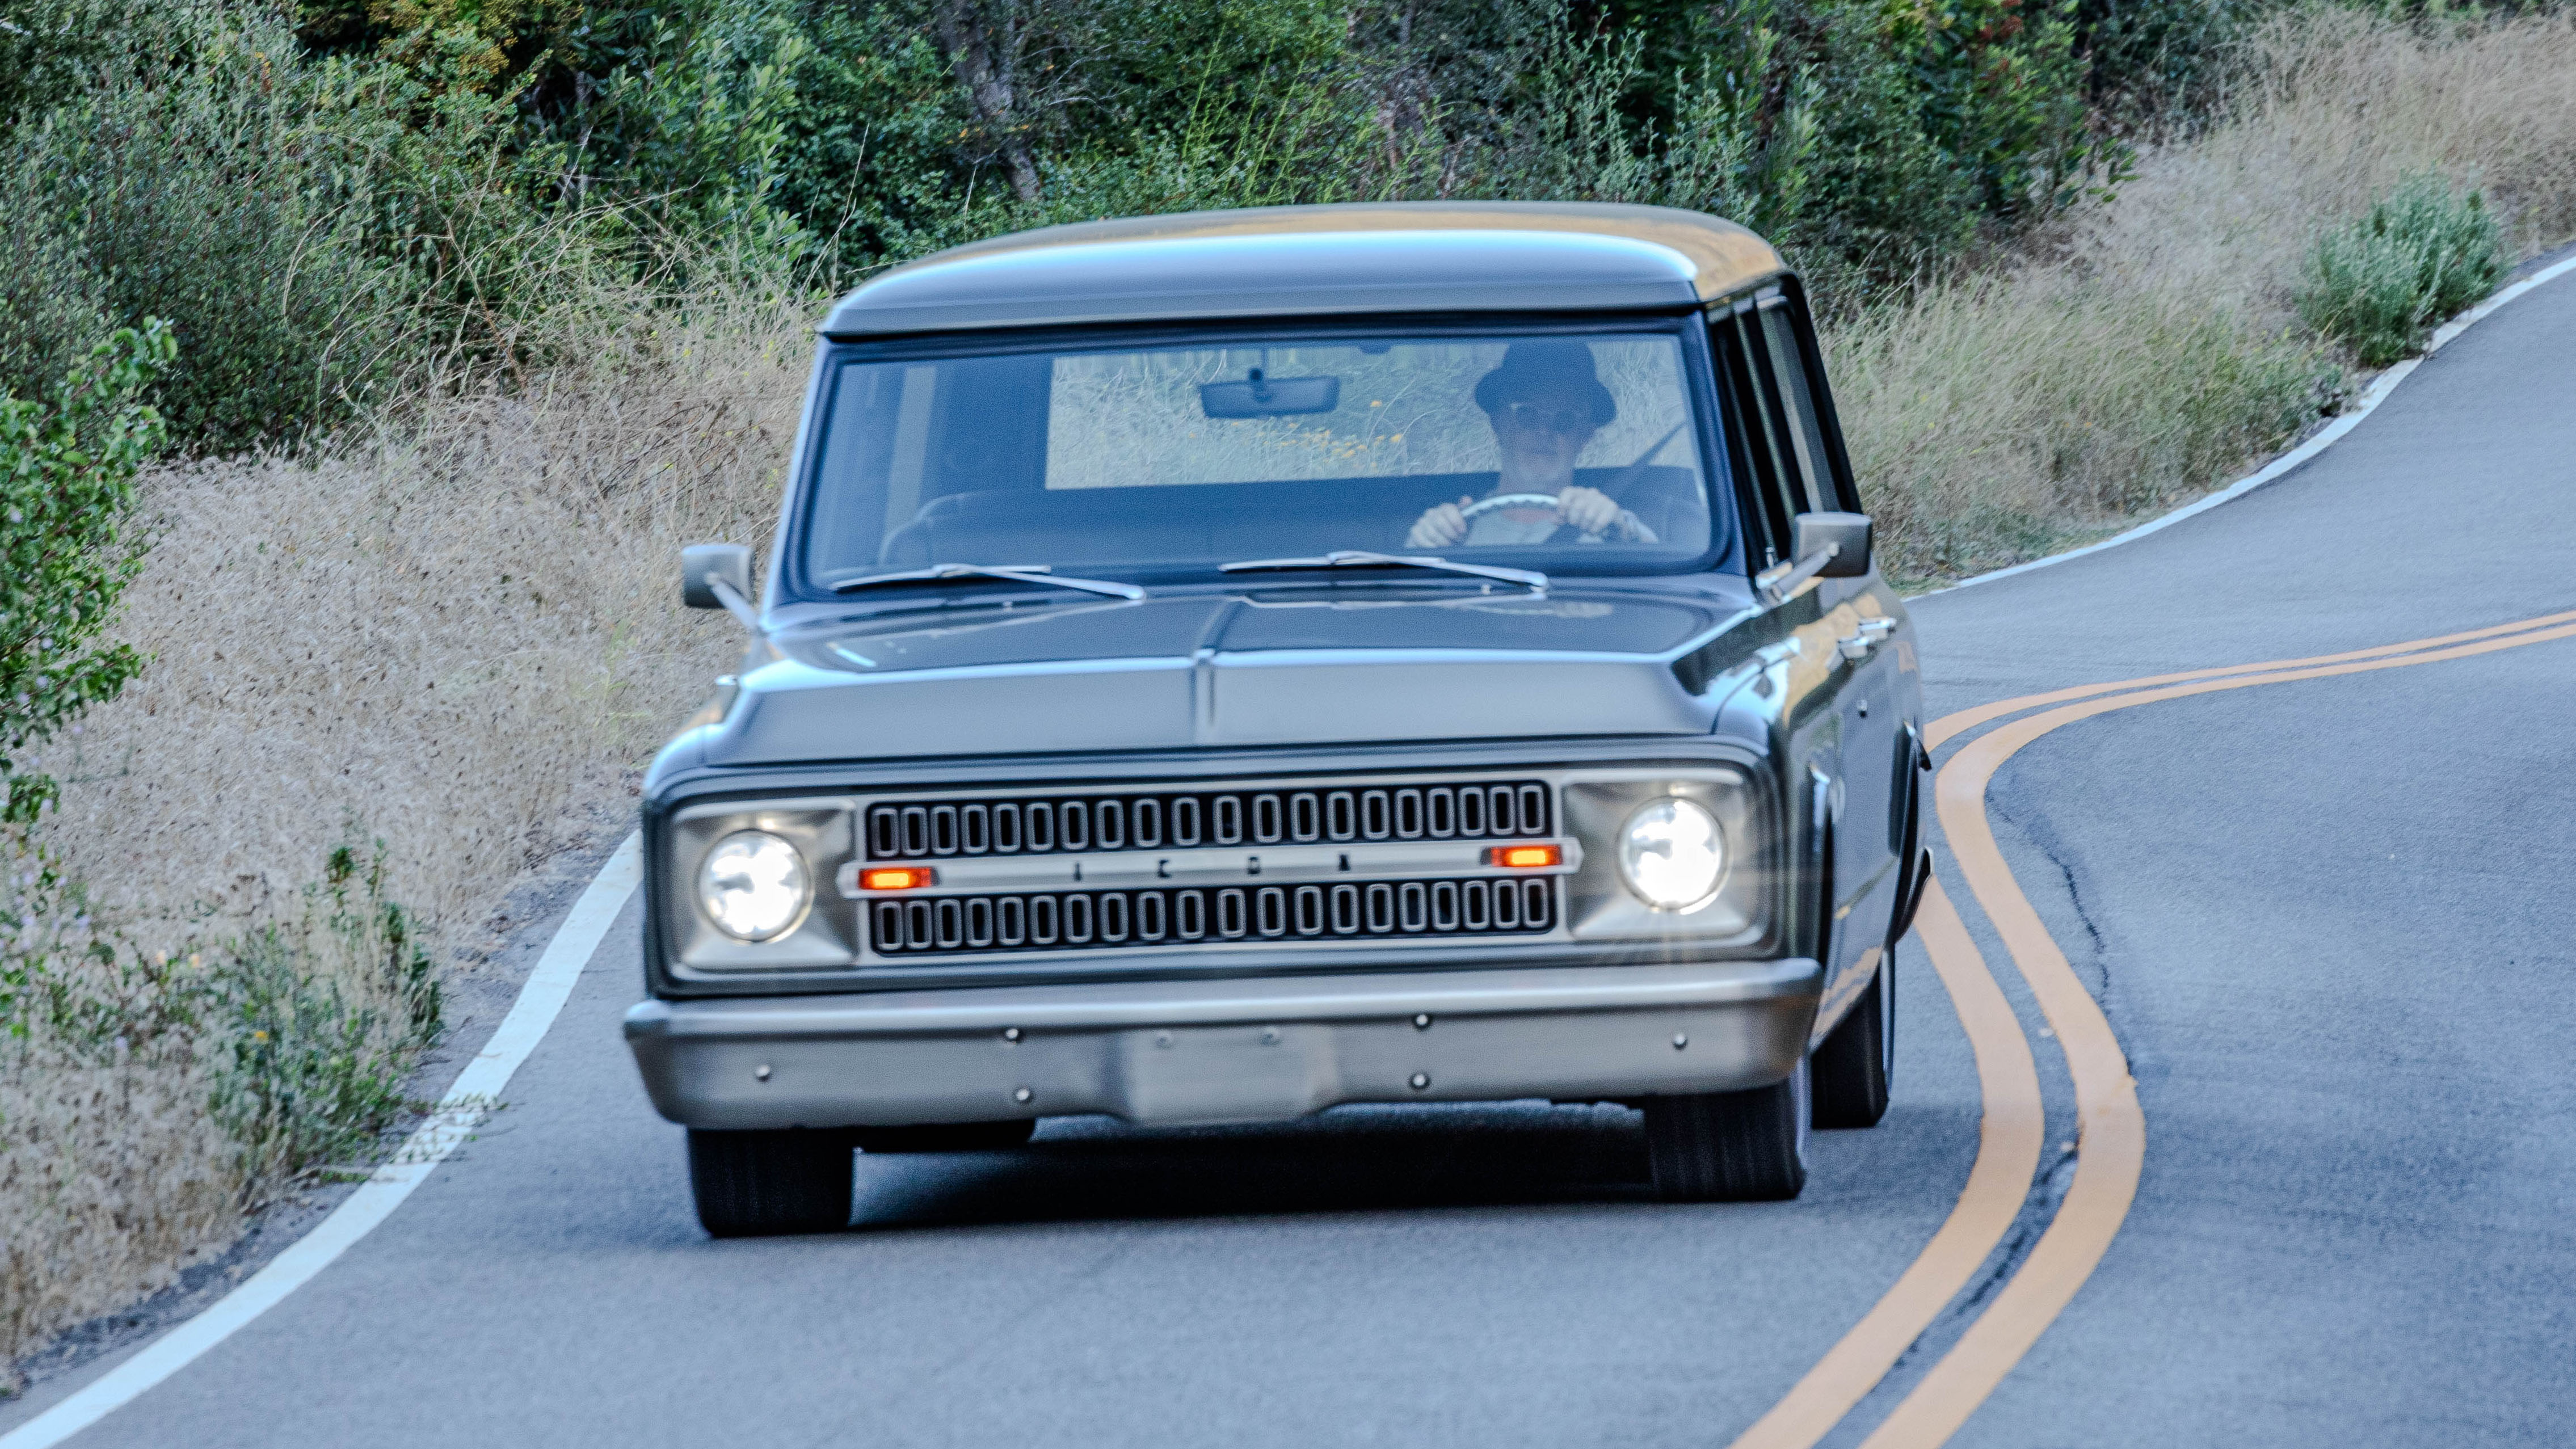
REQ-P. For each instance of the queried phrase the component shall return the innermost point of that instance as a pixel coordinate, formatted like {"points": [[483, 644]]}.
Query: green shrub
{"points": [[2421, 254], [304, 1027], [2152, 62], [319, 1019], [323, 233], [67, 548]]}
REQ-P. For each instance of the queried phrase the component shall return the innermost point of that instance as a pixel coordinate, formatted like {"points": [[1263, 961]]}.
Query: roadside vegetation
{"points": [[2419, 255], [469, 314]]}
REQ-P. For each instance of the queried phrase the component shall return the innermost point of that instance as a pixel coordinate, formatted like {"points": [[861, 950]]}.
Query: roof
{"points": [[1479, 256]]}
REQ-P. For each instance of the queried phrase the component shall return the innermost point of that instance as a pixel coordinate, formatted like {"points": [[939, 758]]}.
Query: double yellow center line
{"points": [[2111, 1134]]}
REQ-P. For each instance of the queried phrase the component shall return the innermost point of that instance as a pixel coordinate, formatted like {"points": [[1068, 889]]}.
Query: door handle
{"points": [[1871, 633]]}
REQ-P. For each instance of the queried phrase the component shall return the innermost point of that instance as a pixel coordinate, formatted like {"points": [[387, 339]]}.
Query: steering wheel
{"points": [[1628, 523]]}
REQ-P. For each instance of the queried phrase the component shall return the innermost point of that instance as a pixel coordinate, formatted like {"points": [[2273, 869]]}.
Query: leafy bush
{"points": [[2421, 254], [147, 1099], [303, 1028], [2156, 61], [67, 548], [323, 233], [320, 1018], [336, 209], [1869, 140]]}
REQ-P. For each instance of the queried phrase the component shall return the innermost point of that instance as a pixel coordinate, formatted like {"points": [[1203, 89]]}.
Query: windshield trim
{"points": [[794, 582]]}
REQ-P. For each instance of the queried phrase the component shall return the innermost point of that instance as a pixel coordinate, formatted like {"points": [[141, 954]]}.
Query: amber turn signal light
{"points": [[1525, 857], [897, 878]]}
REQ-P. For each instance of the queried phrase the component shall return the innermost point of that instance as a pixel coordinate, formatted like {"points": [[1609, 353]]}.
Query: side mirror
{"points": [[1847, 533], [704, 565]]}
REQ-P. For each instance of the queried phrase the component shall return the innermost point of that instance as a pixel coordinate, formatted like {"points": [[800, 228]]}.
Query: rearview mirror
{"points": [[1848, 534], [703, 565], [1262, 396]]}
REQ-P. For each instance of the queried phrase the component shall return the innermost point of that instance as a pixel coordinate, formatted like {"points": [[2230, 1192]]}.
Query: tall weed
{"points": [[1998, 419]]}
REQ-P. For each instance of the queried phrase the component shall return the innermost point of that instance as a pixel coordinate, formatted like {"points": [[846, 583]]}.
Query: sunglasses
{"points": [[1531, 418]]}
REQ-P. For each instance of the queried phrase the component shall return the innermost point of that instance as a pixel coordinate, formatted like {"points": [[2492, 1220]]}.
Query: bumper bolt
{"points": [[1421, 1080], [1422, 1021], [1022, 1095], [761, 1072], [1680, 1039], [1270, 1036], [1010, 1033]]}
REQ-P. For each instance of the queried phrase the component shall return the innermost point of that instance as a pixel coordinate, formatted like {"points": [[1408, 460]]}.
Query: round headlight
{"points": [[1673, 853], [754, 885]]}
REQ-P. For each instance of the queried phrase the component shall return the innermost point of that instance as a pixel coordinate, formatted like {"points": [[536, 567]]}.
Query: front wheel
{"points": [[755, 1184], [1856, 1060], [1730, 1146]]}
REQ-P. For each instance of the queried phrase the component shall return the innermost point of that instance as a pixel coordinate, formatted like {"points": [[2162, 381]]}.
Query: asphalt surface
{"points": [[2328, 919]]}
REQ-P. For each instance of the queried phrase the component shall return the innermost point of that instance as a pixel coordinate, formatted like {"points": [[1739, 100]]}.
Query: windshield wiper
{"points": [[1359, 558], [1016, 573]]}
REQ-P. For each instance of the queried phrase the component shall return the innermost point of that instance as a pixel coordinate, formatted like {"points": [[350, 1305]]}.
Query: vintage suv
{"points": [[1217, 667]]}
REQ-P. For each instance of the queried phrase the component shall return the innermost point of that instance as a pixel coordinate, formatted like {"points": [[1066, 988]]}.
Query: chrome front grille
{"points": [[1076, 920], [1058, 824]]}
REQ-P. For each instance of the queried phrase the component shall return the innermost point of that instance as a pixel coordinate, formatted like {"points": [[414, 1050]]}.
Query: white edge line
{"points": [[2344, 423], [472, 1098]]}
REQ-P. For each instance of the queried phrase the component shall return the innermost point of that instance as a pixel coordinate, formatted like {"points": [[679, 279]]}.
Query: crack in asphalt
{"points": [[2040, 833], [2047, 1191], [2039, 1209], [2056, 1174]]}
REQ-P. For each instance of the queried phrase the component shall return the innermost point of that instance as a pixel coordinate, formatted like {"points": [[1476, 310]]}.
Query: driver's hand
{"points": [[1440, 526], [1588, 509]]}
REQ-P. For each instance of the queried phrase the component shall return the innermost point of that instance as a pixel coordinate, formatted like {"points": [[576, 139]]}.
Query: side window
{"points": [[1789, 376], [1767, 372], [1763, 460]]}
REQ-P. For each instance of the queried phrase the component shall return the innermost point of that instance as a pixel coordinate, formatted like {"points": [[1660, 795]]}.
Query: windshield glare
{"points": [[1547, 451]]}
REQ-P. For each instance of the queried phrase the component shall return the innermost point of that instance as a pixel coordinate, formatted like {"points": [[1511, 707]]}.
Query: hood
{"points": [[1291, 666]]}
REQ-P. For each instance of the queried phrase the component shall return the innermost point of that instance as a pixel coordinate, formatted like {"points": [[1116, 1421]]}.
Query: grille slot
{"points": [[1182, 820], [1071, 920]]}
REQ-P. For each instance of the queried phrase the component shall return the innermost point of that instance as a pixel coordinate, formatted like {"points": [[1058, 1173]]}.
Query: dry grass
{"points": [[1991, 420], [460, 636], [2153, 352], [2335, 110], [111, 1178], [463, 638]]}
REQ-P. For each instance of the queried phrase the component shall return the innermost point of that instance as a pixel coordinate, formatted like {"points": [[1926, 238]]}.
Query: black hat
{"points": [[1534, 365]]}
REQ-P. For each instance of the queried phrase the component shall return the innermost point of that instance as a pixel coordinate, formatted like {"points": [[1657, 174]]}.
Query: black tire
{"points": [[1730, 1146], [755, 1184], [947, 1137], [1854, 1063]]}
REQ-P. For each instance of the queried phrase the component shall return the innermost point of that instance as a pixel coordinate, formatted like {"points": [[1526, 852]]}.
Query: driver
{"points": [[1545, 402]]}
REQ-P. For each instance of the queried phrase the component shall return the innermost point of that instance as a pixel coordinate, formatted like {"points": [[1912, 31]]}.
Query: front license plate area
{"points": [[1226, 1073]]}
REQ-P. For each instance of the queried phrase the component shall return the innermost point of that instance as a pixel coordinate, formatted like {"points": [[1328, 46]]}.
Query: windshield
{"points": [[1554, 451]]}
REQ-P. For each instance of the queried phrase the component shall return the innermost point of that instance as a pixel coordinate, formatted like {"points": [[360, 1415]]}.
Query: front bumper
{"points": [[1258, 1050]]}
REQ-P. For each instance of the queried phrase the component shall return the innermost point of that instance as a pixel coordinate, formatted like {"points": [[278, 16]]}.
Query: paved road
{"points": [[2328, 919]]}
